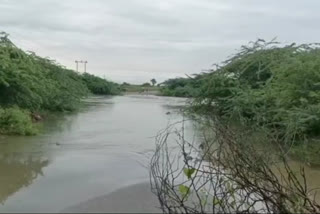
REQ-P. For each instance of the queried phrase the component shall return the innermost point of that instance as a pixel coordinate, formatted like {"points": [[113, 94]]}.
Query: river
{"points": [[92, 160], [80, 156]]}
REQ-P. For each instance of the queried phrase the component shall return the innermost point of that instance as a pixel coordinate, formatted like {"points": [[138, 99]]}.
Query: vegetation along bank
{"points": [[30, 84], [266, 87]]}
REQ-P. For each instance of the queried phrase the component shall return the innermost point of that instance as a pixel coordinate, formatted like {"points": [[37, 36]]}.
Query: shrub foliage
{"points": [[264, 84], [34, 83]]}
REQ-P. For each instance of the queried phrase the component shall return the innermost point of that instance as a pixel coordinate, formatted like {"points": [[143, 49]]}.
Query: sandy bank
{"points": [[136, 198]]}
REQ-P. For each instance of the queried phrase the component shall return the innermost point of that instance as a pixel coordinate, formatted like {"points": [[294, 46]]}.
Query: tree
{"points": [[153, 81], [146, 84], [125, 84]]}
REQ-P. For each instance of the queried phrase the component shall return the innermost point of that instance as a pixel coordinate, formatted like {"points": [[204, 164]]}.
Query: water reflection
{"points": [[18, 173]]}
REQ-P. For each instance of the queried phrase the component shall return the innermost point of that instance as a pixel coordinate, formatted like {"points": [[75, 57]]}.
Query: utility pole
{"points": [[81, 61], [85, 66], [77, 63]]}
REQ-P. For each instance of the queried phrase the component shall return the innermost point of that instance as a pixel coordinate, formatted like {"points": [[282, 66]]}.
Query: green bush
{"points": [[101, 86], [264, 86], [14, 121], [270, 86], [36, 84], [181, 87]]}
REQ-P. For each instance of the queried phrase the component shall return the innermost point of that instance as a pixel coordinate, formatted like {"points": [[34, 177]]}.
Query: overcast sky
{"points": [[136, 40]]}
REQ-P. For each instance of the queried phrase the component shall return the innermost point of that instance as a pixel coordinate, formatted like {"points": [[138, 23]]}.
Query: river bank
{"points": [[136, 198]]}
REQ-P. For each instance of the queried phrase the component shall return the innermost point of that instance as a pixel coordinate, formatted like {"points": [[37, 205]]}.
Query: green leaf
{"points": [[303, 100], [216, 201], [313, 94], [184, 190], [189, 172], [233, 204]]}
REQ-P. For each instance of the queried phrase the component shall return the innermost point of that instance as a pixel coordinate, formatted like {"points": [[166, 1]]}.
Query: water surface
{"points": [[80, 156]]}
